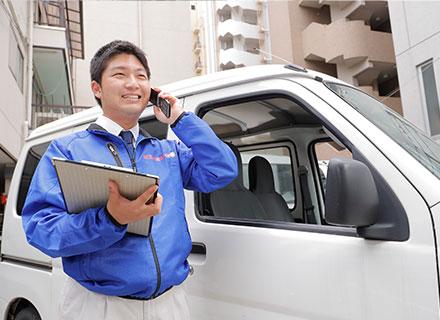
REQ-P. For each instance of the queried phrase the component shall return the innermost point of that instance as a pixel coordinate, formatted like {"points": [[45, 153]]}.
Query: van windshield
{"points": [[414, 141]]}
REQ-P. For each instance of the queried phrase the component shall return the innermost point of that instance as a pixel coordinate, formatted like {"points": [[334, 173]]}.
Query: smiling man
{"points": [[113, 274]]}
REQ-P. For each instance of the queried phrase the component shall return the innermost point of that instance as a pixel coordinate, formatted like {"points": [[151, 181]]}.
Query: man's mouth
{"points": [[131, 96]]}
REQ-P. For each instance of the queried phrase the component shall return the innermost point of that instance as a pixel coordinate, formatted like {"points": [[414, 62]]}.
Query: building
{"points": [[41, 40], [416, 35], [161, 28], [350, 40], [229, 34]]}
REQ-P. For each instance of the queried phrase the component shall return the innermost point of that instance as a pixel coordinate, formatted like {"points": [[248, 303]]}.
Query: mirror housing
{"points": [[351, 197]]}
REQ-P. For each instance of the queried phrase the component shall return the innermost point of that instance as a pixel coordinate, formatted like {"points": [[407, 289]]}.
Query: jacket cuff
{"points": [[113, 220], [184, 113]]}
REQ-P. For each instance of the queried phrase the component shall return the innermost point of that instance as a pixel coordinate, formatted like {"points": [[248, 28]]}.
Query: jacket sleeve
{"points": [[50, 228], [206, 162]]}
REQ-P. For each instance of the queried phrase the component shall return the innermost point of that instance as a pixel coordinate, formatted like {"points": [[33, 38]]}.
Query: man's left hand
{"points": [[176, 108]]}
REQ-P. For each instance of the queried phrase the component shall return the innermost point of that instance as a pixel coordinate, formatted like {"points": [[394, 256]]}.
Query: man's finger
{"points": [[148, 194], [113, 188]]}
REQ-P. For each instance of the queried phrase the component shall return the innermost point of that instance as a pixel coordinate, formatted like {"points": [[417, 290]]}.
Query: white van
{"points": [[366, 248]]}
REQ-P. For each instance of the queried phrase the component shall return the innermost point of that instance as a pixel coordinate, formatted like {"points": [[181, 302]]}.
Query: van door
{"points": [[245, 269]]}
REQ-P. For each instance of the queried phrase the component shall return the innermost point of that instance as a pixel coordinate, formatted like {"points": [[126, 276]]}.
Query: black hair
{"points": [[103, 55]]}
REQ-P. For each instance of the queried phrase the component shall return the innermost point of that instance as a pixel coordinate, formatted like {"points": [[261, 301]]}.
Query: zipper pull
{"points": [[115, 154]]}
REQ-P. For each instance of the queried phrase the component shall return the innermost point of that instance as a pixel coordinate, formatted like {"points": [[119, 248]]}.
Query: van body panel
{"points": [[25, 283], [16, 244]]}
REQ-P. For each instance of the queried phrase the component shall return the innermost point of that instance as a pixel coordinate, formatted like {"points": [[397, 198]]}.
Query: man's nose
{"points": [[132, 82]]}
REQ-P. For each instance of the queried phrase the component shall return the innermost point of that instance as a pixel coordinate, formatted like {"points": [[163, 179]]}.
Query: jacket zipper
{"points": [[156, 261], [115, 154]]}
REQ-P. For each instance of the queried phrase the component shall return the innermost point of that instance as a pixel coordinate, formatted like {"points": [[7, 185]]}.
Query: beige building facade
{"points": [[350, 40]]}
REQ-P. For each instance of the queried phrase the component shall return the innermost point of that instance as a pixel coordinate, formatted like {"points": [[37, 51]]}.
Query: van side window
{"points": [[154, 127], [323, 152], [269, 136], [33, 157]]}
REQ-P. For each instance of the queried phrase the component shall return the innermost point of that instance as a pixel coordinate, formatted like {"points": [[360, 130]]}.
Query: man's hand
{"points": [[176, 108], [125, 211]]}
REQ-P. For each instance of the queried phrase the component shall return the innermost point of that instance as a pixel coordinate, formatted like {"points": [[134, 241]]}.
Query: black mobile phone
{"points": [[161, 103]]}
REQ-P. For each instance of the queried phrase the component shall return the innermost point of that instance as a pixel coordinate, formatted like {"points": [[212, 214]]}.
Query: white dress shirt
{"points": [[114, 128]]}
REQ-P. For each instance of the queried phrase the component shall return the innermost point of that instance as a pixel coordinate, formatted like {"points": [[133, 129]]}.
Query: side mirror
{"points": [[351, 197]]}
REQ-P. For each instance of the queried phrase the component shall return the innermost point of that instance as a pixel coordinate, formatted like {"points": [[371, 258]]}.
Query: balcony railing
{"points": [[45, 113], [65, 14]]}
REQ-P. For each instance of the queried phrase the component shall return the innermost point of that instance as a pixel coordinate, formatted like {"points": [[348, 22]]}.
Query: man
{"points": [[114, 274]]}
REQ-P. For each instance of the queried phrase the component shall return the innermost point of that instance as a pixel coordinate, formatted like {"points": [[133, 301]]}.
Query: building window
{"points": [[16, 60], [431, 97]]}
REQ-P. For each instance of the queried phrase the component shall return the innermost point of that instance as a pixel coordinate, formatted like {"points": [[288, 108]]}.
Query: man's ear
{"points": [[96, 88]]}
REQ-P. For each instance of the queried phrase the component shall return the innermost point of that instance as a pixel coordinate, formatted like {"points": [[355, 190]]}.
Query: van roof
{"points": [[190, 86]]}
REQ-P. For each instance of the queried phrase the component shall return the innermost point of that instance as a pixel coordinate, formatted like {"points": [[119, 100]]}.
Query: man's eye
{"points": [[118, 74], [142, 76]]}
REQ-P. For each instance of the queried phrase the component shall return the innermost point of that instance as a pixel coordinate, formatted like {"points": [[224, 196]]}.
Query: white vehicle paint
{"points": [[301, 266]]}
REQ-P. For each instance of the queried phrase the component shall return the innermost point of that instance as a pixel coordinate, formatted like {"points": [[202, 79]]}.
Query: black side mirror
{"points": [[351, 197]]}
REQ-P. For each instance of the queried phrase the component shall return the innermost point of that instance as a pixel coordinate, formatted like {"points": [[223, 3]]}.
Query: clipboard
{"points": [[84, 185]]}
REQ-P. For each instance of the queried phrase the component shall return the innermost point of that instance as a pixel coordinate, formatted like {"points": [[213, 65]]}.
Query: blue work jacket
{"points": [[99, 253]]}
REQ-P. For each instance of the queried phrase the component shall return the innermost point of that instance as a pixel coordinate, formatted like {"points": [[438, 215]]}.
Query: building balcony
{"points": [[244, 4], [238, 28], [347, 42], [238, 57], [45, 113], [63, 15]]}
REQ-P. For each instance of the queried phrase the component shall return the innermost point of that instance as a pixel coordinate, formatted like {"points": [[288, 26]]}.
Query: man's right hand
{"points": [[125, 211]]}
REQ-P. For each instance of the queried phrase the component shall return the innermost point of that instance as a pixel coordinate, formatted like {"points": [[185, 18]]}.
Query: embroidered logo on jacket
{"points": [[160, 158]]}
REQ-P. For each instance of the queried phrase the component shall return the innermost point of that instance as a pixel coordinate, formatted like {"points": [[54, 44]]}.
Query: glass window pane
{"points": [[279, 158], [415, 142]]}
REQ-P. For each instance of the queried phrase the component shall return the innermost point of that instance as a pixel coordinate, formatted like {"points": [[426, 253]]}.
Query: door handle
{"points": [[198, 248]]}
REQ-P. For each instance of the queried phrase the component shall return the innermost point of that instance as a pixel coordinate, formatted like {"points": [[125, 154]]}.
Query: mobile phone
{"points": [[161, 103]]}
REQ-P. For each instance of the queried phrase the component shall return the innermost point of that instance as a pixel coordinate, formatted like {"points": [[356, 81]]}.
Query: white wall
{"points": [[12, 99], [167, 40], [161, 28], [416, 36]]}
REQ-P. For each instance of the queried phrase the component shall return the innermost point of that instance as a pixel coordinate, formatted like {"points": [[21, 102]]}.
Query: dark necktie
{"points": [[127, 136]]}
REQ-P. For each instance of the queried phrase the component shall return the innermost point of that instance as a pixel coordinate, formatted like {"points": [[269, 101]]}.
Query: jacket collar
{"points": [[96, 128]]}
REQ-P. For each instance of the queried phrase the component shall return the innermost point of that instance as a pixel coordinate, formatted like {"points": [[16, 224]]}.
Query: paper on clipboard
{"points": [[85, 185]]}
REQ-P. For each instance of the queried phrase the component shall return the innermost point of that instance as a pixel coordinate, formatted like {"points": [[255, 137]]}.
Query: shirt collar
{"points": [[112, 127]]}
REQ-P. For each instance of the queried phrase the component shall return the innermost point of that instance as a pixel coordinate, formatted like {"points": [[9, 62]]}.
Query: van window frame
{"points": [[206, 106]]}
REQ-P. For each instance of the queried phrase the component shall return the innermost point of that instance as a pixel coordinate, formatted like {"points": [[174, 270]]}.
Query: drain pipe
{"points": [[29, 70]]}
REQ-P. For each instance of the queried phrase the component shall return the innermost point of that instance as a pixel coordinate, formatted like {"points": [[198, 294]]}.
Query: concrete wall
{"points": [[416, 36], [13, 108], [162, 29], [287, 21]]}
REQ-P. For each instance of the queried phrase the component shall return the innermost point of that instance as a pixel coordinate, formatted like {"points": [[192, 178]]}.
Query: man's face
{"points": [[124, 90]]}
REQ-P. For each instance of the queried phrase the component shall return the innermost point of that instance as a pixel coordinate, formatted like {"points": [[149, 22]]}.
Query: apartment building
{"points": [[350, 40], [229, 34], [40, 41], [416, 35]]}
